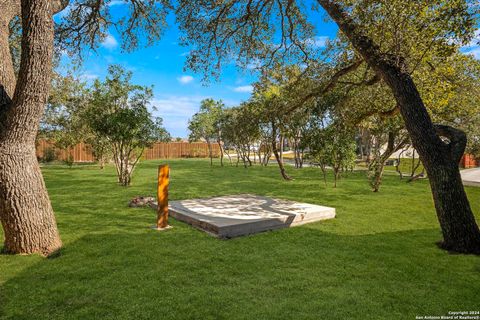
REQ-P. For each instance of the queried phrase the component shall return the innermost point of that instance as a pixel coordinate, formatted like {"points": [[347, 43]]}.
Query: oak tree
{"points": [[205, 124], [26, 214], [274, 29]]}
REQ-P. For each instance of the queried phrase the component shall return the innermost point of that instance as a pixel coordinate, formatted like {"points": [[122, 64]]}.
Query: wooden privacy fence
{"points": [[79, 153], [170, 150], [161, 150]]}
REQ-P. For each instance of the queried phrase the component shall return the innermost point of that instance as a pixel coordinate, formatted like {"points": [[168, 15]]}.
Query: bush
{"points": [[69, 161], [49, 155]]}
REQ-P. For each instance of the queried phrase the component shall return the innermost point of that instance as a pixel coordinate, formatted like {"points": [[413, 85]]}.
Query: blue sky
{"points": [[178, 92]]}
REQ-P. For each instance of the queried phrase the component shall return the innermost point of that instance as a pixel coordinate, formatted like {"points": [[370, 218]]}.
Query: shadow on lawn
{"points": [[293, 273], [114, 267]]}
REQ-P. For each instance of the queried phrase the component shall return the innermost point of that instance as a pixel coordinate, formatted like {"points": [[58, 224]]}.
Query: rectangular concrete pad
{"points": [[238, 215]]}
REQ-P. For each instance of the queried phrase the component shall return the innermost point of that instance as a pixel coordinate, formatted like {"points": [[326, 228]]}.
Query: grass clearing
{"points": [[376, 260]]}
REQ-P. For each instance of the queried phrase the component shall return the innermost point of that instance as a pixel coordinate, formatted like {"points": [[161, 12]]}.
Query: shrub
{"points": [[69, 161], [49, 155]]}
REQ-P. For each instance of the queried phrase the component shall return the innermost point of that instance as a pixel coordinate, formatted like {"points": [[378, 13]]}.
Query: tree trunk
{"points": [[125, 173], [324, 173], [277, 155], [221, 152], [9, 9], [377, 177], [379, 162], [415, 166], [282, 140], [335, 175], [247, 156], [101, 163], [125, 164], [25, 210], [210, 152], [360, 143], [440, 159], [228, 156], [399, 160], [238, 157]]}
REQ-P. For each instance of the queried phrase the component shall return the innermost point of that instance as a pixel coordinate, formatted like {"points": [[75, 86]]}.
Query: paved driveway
{"points": [[471, 177]]}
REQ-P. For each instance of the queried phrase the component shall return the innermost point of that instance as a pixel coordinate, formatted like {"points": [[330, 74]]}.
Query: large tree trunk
{"points": [[25, 211], [441, 159]]}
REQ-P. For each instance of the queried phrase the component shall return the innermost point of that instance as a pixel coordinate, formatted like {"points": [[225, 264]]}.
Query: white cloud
{"points": [[177, 106], [475, 52], [185, 79], [184, 54], [254, 64], [87, 76], [473, 47], [320, 41], [109, 42], [247, 89], [475, 41], [116, 3], [176, 111]]}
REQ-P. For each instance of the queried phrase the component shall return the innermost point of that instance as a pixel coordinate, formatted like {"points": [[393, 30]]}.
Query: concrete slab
{"points": [[238, 215], [471, 177]]}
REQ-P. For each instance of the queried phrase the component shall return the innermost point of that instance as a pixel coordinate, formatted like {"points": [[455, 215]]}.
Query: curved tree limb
{"points": [[384, 114], [324, 88]]}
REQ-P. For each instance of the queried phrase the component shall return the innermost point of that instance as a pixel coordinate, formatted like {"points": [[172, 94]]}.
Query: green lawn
{"points": [[376, 260], [406, 166]]}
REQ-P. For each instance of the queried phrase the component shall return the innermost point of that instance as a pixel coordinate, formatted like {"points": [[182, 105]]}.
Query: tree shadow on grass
{"points": [[114, 267], [296, 273]]}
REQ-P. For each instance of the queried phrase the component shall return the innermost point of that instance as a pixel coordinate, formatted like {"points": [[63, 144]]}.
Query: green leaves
{"points": [[243, 31], [205, 124], [119, 112]]}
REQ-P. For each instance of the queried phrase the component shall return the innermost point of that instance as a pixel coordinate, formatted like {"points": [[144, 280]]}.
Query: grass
{"points": [[405, 166], [376, 260]]}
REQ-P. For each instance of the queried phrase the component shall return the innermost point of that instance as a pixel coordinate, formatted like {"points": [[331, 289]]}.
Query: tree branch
{"points": [[384, 114], [368, 82], [59, 5], [324, 88]]}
